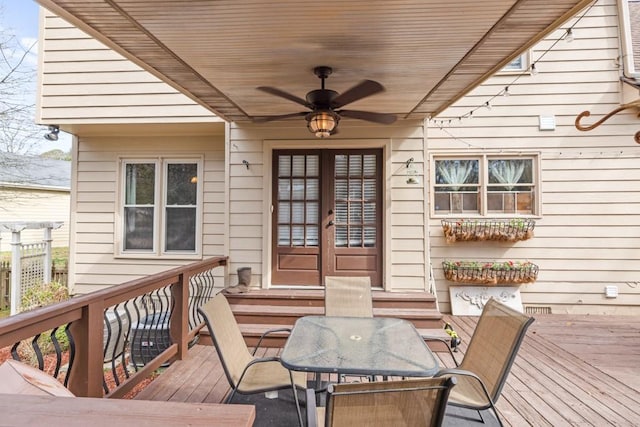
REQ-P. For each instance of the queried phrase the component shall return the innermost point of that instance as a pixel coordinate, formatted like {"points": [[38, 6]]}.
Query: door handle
{"points": [[330, 223]]}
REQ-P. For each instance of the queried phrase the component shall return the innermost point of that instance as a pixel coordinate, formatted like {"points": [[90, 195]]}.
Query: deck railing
{"points": [[106, 342]]}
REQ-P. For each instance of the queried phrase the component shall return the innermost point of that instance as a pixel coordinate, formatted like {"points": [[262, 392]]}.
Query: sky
{"points": [[21, 17]]}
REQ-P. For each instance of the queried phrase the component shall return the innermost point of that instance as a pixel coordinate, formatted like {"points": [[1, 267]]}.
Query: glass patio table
{"points": [[358, 346]]}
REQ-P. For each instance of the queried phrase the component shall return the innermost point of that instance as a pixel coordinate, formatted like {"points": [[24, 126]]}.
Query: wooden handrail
{"points": [[85, 313]]}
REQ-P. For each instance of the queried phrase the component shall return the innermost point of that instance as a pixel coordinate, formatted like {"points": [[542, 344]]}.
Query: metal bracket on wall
{"points": [[633, 104]]}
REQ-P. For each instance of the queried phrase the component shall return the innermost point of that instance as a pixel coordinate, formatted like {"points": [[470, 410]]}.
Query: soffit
{"points": [[426, 53]]}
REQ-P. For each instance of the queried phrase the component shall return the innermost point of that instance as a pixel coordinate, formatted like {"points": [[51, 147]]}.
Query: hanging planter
{"points": [[509, 230], [490, 274]]}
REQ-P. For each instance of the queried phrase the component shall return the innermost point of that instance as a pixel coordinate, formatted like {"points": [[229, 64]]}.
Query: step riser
{"points": [[283, 307]]}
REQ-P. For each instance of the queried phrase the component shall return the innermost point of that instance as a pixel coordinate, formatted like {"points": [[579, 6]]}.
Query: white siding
{"points": [[82, 81], [94, 259], [588, 235], [35, 205], [250, 194]]}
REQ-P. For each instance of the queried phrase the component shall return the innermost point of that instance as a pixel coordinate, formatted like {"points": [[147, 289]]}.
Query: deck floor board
{"points": [[571, 370]]}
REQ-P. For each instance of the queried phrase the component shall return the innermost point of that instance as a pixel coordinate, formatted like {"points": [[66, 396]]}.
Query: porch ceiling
{"points": [[426, 53]]}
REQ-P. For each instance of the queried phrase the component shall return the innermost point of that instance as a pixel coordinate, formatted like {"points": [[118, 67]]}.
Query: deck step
{"points": [[260, 310]]}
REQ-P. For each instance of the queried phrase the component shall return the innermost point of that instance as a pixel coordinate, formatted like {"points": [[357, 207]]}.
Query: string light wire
{"points": [[567, 35]]}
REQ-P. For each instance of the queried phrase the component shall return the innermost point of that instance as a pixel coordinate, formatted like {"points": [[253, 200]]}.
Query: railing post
{"points": [[86, 372], [47, 255], [179, 328], [16, 272]]}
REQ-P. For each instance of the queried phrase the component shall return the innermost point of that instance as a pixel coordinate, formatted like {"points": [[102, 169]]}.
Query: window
{"points": [[518, 65], [485, 185], [160, 207]]}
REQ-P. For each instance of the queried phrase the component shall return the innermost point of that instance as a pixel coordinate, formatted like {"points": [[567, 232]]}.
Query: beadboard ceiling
{"points": [[426, 53]]}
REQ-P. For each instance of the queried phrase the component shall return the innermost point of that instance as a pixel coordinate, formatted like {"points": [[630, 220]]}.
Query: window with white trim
{"points": [[161, 206], [485, 185], [519, 64]]}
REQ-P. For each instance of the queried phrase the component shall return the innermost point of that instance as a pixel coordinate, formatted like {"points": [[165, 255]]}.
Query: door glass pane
{"points": [[369, 237], [298, 189], [298, 166], [370, 165], [284, 212], [313, 165], [312, 236], [355, 213], [297, 213], [297, 235], [341, 236], [313, 189], [283, 235], [284, 189], [312, 213], [355, 189], [355, 165], [355, 236], [341, 189], [370, 213], [180, 234], [341, 212], [284, 165], [370, 189], [341, 165]]}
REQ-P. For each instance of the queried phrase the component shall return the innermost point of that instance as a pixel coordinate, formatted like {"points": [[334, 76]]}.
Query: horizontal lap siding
{"points": [[82, 81], [34, 205], [404, 258], [589, 233], [94, 262]]}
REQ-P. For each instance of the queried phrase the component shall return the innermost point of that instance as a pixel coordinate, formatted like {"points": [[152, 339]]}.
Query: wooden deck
{"points": [[571, 370]]}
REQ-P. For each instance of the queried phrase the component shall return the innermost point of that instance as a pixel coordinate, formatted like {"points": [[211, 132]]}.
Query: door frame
{"points": [[333, 144]]}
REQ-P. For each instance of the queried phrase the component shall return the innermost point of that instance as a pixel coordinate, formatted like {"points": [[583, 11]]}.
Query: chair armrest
{"points": [[270, 331], [465, 373], [446, 342], [312, 419]]}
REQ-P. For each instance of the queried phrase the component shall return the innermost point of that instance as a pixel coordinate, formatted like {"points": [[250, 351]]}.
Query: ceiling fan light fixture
{"points": [[322, 123]]}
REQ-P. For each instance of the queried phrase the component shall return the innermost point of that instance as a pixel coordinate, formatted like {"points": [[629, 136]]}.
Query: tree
{"points": [[18, 132]]}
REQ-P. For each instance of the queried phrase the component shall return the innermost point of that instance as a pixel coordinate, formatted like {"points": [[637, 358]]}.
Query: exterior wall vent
{"points": [[537, 310]]}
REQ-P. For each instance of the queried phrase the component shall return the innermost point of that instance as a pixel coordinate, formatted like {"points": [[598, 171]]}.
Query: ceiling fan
{"points": [[326, 104]]}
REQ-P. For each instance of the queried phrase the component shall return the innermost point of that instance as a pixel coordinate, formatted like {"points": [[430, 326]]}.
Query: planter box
{"points": [[509, 230], [489, 274]]}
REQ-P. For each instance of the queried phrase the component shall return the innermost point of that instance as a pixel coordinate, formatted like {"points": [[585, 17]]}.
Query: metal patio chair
{"points": [[246, 373], [388, 403], [348, 296], [489, 357]]}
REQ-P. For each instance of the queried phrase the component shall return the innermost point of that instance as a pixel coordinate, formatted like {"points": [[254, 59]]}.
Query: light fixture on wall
{"points": [[411, 172], [322, 123], [52, 135]]}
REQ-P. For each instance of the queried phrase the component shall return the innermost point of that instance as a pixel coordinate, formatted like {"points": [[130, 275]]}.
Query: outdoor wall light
{"points": [[322, 123], [52, 135], [411, 172]]}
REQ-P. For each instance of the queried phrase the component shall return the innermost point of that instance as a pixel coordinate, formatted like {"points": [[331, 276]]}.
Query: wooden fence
{"points": [[59, 274]]}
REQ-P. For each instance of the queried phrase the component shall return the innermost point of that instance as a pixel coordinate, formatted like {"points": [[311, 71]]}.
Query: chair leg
{"points": [[230, 397], [295, 397], [495, 411]]}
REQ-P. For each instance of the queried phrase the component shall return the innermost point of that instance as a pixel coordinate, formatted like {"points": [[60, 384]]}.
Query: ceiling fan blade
{"points": [[369, 116], [285, 95], [361, 90], [264, 119]]}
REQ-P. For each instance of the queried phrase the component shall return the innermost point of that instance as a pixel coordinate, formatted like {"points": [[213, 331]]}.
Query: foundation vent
{"points": [[537, 310]]}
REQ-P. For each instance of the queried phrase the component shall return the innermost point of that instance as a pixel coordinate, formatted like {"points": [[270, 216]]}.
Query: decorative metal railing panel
{"points": [[141, 324]]}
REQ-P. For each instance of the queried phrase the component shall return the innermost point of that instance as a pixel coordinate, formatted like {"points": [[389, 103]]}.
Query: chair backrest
{"points": [[388, 403], [494, 345], [227, 338], [348, 296]]}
